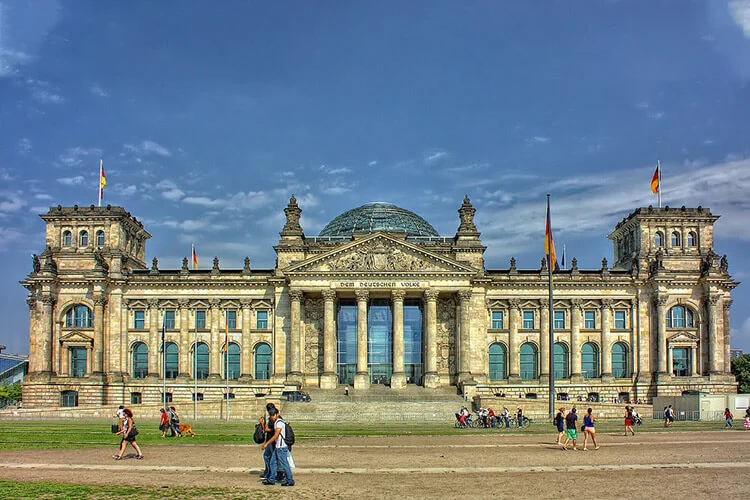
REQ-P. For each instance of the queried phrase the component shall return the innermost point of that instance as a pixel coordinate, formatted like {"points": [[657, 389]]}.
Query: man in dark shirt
{"points": [[571, 433]]}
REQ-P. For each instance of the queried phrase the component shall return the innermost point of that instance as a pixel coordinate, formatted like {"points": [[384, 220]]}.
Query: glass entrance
{"points": [[380, 341], [346, 341], [413, 341]]}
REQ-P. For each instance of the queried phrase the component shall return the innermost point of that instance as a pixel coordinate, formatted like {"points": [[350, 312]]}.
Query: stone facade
{"points": [[656, 323]]}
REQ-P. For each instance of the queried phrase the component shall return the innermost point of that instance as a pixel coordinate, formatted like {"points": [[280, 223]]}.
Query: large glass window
{"points": [[528, 320], [172, 364], [589, 319], [78, 361], [380, 341], [200, 320], [559, 320], [69, 399], [680, 317], [681, 361], [140, 360], [528, 361], [139, 321], [497, 361], [620, 320], [262, 362], [562, 357], [79, 317], [619, 360], [589, 360], [201, 362], [169, 319], [232, 320], [413, 364], [497, 320], [346, 341], [261, 320], [234, 361]]}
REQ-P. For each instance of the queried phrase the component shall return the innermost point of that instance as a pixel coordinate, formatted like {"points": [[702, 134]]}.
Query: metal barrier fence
{"points": [[687, 415]]}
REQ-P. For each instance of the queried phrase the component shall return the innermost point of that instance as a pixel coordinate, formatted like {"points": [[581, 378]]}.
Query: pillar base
{"points": [[398, 380], [576, 378], [514, 378], [607, 378], [431, 380], [329, 381], [294, 378], [362, 381]]}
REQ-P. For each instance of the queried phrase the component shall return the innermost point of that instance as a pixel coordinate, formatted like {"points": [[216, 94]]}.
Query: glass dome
{"points": [[378, 216]]}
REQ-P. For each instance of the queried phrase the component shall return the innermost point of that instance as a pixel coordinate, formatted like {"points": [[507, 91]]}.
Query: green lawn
{"points": [[48, 490], [21, 435]]}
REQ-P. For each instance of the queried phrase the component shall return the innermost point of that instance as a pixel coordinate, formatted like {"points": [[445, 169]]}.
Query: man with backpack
{"points": [[281, 441]]}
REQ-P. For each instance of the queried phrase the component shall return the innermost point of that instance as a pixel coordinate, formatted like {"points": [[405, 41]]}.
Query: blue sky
{"points": [[210, 115]]}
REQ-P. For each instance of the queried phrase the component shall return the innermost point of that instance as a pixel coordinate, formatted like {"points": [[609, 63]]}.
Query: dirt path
{"points": [[665, 464]]}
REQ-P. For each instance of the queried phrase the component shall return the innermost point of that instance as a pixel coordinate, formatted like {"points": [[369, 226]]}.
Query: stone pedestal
{"points": [[329, 381], [361, 381], [432, 380]]}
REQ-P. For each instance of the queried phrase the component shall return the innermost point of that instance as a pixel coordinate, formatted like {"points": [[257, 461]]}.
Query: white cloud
{"points": [[9, 236], [740, 12], [10, 202], [434, 155], [540, 139], [24, 146], [43, 196], [76, 156], [148, 147], [98, 90], [43, 92], [5, 175], [656, 115], [170, 190], [71, 181], [372, 163], [23, 27], [126, 190]]}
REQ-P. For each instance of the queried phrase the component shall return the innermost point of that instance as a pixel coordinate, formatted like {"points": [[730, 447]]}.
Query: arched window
{"points": [[497, 361], [692, 239], [172, 362], [680, 317], [83, 239], [79, 317], [234, 361], [67, 238], [201, 362], [100, 238], [528, 361], [676, 240], [659, 239], [589, 360], [561, 361], [619, 360], [262, 361], [140, 360]]}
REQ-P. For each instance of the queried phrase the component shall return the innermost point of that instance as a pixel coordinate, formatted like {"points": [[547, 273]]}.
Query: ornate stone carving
{"points": [[153, 303], [31, 302], [329, 294], [607, 303], [513, 264], [544, 264], [185, 264], [362, 295], [296, 294], [246, 303], [464, 295], [214, 303], [466, 214], [100, 300], [155, 265], [661, 301], [544, 303], [379, 255], [293, 213], [183, 303], [313, 332], [574, 264], [36, 263], [514, 304], [605, 265], [727, 304], [215, 270], [100, 261], [713, 299], [576, 304], [723, 264], [398, 295], [431, 295], [246, 268], [446, 335]]}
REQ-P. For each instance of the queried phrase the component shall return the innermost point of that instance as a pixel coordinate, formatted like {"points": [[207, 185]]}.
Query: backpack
{"points": [[288, 435], [259, 435]]}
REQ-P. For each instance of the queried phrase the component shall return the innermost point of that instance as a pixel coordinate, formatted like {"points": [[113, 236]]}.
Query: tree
{"points": [[741, 371], [10, 392]]}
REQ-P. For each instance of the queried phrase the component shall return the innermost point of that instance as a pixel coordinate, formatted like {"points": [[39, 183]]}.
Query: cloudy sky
{"points": [[210, 115]]}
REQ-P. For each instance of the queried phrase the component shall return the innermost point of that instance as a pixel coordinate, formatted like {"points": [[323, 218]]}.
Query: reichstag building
{"points": [[378, 297]]}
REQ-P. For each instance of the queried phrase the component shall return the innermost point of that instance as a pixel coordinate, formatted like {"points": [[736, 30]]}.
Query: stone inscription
{"points": [[382, 284]]}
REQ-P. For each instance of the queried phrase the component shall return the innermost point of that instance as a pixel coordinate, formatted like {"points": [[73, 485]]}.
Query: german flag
{"points": [[655, 179], [549, 244]]}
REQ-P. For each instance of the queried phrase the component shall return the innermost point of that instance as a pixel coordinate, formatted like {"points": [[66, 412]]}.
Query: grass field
{"points": [[49, 490]]}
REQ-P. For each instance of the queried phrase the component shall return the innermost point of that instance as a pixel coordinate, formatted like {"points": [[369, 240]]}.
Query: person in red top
{"points": [[492, 417], [163, 423], [728, 416]]}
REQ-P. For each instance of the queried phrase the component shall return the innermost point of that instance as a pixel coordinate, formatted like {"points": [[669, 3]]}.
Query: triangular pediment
{"points": [[379, 253], [76, 338], [682, 337]]}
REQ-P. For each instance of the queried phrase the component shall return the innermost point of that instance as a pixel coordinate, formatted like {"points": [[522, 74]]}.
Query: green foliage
{"points": [[45, 489], [10, 392], [741, 371]]}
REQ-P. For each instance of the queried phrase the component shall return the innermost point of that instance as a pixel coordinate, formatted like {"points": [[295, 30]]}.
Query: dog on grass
{"points": [[185, 429]]}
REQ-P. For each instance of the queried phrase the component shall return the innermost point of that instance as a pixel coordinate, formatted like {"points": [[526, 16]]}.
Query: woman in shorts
{"points": [[129, 432], [164, 422], [560, 424], [629, 420], [589, 430]]}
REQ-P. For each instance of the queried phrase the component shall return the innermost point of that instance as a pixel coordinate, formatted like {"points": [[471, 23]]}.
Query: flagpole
{"points": [[163, 360], [226, 370], [551, 343], [195, 373], [658, 168], [101, 169]]}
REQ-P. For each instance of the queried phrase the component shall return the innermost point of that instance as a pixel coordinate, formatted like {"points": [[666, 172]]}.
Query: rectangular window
{"points": [[620, 320], [168, 395], [559, 320], [232, 320], [169, 319], [139, 321], [528, 320], [200, 320], [198, 396], [497, 320], [69, 399], [261, 320], [136, 398], [589, 319], [78, 361]]}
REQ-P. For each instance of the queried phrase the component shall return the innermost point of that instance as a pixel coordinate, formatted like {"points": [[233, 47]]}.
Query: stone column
{"points": [[606, 349], [714, 348], [295, 349], [575, 338], [634, 361], [34, 336], [47, 329], [661, 335], [727, 339], [214, 365], [97, 361], [362, 377], [153, 338], [246, 361], [545, 350], [329, 379], [670, 361], [514, 354], [183, 370], [398, 379], [693, 363], [431, 377]]}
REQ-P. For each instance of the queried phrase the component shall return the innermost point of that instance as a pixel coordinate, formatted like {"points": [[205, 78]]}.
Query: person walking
{"points": [[629, 418], [174, 422], [269, 451], [278, 440], [560, 424], [571, 432], [163, 422], [666, 417], [129, 432], [728, 419], [670, 416], [120, 414], [589, 430]]}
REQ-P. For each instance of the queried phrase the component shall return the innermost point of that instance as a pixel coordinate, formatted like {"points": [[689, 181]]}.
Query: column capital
{"points": [[514, 304], [727, 304], [153, 304], [607, 303], [214, 303], [246, 304], [329, 294], [31, 302], [295, 294], [661, 301], [464, 295], [100, 300], [398, 295], [183, 303], [544, 303], [713, 299], [362, 295], [576, 304], [431, 295]]}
